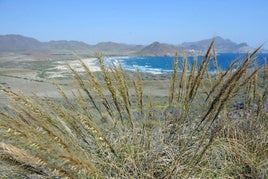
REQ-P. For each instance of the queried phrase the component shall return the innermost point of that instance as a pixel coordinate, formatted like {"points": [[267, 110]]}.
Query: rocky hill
{"points": [[159, 49]]}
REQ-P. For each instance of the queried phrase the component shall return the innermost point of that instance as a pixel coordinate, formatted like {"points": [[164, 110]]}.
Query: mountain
{"points": [[159, 49], [221, 45], [67, 45], [15, 43], [116, 48], [18, 43], [27, 45]]}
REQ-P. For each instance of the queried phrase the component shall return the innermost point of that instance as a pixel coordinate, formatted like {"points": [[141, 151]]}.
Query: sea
{"points": [[164, 64]]}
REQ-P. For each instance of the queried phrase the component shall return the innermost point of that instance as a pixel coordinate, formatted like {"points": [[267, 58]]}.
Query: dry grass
{"points": [[105, 131]]}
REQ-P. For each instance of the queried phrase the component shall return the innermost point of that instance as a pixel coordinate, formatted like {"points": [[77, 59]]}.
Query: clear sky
{"points": [[137, 21]]}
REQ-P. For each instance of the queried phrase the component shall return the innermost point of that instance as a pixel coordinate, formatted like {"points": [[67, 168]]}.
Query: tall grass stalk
{"points": [[210, 126]]}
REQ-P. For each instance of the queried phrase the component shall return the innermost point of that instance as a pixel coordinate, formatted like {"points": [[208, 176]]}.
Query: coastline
{"points": [[92, 64]]}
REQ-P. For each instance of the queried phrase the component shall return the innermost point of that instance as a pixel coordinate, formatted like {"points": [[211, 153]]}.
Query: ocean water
{"points": [[164, 64]]}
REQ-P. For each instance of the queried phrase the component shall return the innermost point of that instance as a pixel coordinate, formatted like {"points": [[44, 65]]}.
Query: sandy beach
{"points": [[92, 64]]}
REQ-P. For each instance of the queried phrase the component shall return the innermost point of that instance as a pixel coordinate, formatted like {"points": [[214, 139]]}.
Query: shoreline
{"points": [[92, 64]]}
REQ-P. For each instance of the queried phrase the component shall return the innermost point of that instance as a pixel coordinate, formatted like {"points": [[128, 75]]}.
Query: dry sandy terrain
{"points": [[36, 77], [29, 77]]}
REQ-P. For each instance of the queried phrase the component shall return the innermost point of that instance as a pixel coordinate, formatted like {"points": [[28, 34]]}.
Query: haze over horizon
{"points": [[137, 22]]}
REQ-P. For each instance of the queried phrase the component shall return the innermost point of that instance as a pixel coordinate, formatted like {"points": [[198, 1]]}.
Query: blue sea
{"points": [[164, 64]]}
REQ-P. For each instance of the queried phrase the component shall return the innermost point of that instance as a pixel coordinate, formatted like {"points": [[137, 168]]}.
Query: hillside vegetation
{"points": [[209, 126]]}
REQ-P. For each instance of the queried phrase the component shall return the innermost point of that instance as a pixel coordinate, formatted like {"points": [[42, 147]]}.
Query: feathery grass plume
{"points": [[201, 72], [221, 79], [215, 63], [231, 85], [191, 77], [228, 86], [251, 78], [122, 76], [223, 96], [183, 81], [96, 85], [207, 84], [84, 88], [110, 86], [35, 127], [139, 91], [78, 121], [22, 158], [173, 79], [122, 87]]}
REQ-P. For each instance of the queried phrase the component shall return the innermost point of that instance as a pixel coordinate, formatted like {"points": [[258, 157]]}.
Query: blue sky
{"points": [[136, 21]]}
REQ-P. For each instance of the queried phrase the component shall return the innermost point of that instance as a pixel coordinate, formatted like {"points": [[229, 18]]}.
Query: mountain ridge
{"points": [[221, 45], [19, 43]]}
